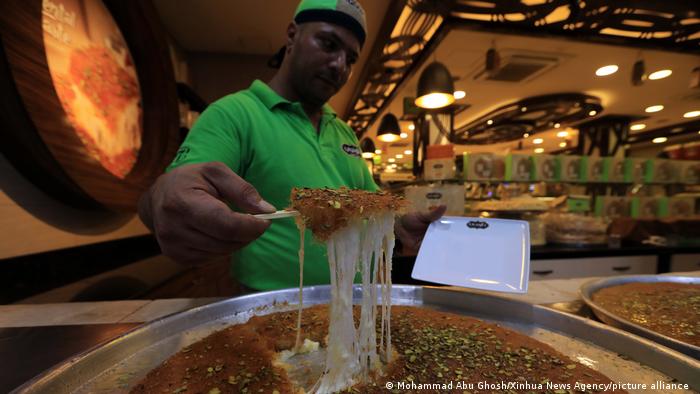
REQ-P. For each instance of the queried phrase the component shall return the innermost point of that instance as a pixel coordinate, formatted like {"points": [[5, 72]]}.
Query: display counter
{"points": [[561, 262]]}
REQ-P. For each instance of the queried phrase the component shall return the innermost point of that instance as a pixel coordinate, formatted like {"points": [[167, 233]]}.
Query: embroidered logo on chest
{"points": [[352, 150]]}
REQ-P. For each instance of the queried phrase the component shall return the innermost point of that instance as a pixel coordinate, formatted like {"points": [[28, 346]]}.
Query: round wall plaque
{"points": [[92, 102]]}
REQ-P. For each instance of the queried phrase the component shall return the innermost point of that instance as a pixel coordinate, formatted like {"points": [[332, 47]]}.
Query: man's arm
{"points": [[187, 210]]}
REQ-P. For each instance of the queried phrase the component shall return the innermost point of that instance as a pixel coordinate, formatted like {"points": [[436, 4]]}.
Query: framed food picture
{"points": [[92, 100]]}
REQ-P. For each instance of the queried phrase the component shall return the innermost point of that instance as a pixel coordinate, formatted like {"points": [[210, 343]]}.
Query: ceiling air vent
{"points": [[518, 68]]}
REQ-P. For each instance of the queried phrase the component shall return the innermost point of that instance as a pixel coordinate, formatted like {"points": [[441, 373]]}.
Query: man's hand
{"points": [[410, 228], [187, 211]]}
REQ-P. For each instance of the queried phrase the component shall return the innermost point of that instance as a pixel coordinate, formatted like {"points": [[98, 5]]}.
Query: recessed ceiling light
{"points": [[654, 108], [408, 152], [489, 122], [539, 150], [411, 127], [537, 141], [459, 94], [638, 126], [563, 134], [691, 114], [562, 144], [592, 112], [526, 135], [659, 140], [378, 152], [523, 109], [399, 156], [391, 160], [404, 135], [606, 70], [661, 74], [557, 125]]}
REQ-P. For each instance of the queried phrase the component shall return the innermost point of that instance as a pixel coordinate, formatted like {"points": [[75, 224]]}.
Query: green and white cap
{"points": [[346, 13]]}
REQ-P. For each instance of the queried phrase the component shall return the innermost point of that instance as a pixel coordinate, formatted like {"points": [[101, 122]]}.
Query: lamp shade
{"points": [[389, 130], [368, 148], [435, 87]]}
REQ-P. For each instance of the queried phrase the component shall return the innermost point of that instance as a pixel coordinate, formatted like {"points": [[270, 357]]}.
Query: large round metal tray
{"points": [[589, 288], [119, 364]]}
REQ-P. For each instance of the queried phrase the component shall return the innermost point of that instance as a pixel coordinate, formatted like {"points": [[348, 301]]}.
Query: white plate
{"points": [[480, 253]]}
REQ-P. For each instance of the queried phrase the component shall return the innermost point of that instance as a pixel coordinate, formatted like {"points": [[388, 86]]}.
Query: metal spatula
{"points": [[278, 215]]}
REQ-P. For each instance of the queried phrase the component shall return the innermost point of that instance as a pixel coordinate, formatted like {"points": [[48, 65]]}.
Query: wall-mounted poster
{"points": [[95, 80], [89, 106]]}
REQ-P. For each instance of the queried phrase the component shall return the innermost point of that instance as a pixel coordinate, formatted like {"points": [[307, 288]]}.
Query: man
{"points": [[249, 149]]}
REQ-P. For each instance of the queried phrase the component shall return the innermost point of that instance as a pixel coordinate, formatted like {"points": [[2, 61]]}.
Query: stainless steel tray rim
{"points": [[674, 364], [587, 290]]}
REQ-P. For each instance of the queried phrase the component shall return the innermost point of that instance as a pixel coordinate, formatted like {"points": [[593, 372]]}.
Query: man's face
{"points": [[321, 56]]}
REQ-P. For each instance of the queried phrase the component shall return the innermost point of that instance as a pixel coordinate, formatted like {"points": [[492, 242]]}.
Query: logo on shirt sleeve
{"points": [[352, 150], [181, 154]]}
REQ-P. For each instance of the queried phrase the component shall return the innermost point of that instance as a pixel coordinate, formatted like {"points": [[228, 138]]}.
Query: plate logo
{"points": [[352, 150], [477, 224]]}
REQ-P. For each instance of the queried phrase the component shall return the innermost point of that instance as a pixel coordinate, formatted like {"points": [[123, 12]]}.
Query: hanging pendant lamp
{"points": [[368, 148], [389, 130], [435, 87]]}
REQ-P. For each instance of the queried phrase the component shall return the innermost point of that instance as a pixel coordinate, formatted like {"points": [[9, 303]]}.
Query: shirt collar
{"points": [[271, 99], [265, 93]]}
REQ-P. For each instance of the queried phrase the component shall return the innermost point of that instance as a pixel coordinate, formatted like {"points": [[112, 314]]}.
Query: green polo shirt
{"points": [[271, 143]]}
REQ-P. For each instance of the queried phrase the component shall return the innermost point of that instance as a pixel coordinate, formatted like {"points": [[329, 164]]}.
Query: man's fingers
{"points": [[217, 220], [436, 213], [233, 188], [419, 221]]}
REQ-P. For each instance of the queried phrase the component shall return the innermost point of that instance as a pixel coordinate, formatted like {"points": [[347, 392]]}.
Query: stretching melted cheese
{"points": [[362, 244]]}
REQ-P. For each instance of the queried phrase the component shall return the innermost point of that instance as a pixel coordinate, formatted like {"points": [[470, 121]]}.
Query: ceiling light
{"points": [[606, 70], [562, 144], [391, 160], [557, 125], [377, 151], [459, 94], [493, 60], [691, 114], [539, 150], [389, 128], [661, 74], [659, 140], [435, 87], [638, 126], [654, 108], [523, 109], [403, 135], [592, 113], [489, 122], [537, 141], [367, 147], [408, 152], [638, 75], [411, 127], [526, 135], [563, 134], [399, 156]]}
